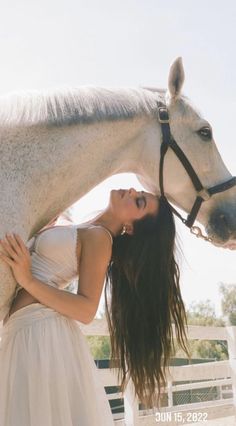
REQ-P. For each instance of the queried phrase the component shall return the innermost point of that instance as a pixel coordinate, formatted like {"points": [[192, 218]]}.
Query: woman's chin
{"points": [[112, 193], [113, 198]]}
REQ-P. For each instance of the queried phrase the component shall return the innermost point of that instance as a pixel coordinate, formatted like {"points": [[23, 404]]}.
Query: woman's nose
{"points": [[132, 191]]}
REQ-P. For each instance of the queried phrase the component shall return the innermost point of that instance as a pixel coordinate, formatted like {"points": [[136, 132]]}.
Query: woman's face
{"points": [[129, 204]]}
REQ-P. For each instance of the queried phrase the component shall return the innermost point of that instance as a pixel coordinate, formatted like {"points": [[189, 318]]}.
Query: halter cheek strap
{"points": [[203, 194]]}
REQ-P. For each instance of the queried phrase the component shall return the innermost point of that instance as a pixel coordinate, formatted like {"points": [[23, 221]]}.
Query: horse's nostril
{"points": [[222, 222], [223, 219]]}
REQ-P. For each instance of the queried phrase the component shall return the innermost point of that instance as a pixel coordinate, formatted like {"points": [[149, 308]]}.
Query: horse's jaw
{"points": [[230, 245], [148, 184]]}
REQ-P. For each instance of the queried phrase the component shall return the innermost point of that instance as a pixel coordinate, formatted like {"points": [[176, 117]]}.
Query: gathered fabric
{"points": [[47, 372]]}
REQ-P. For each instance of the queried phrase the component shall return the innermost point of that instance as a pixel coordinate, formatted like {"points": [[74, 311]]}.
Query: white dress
{"points": [[47, 373]]}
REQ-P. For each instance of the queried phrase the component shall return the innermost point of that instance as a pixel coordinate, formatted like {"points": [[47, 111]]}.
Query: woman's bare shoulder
{"points": [[97, 235], [95, 240]]}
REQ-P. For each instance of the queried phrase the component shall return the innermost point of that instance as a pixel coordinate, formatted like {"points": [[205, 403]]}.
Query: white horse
{"points": [[57, 146]]}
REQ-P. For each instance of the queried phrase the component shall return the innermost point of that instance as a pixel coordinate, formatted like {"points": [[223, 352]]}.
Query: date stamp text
{"points": [[179, 417]]}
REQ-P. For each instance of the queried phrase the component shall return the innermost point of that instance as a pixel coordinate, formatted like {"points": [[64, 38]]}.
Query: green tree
{"points": [[99, 346], [203, 313], [228, 302]]}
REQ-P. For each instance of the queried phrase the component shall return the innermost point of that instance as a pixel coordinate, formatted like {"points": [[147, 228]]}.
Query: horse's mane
{"points": [[78, 105]]}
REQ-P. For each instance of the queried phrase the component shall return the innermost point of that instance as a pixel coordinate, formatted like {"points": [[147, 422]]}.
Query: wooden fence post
{"points": [[231, 339], [131, 406], [170, 394]]}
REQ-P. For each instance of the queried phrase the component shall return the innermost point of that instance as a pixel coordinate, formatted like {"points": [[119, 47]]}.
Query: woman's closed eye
{"points": [[141, 201]]}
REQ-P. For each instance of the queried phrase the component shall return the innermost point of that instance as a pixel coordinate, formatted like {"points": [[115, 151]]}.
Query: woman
{"points": [[47, 372]]}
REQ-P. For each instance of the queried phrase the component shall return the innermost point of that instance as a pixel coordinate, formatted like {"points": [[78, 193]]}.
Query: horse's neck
{"points": [[64, 163]]}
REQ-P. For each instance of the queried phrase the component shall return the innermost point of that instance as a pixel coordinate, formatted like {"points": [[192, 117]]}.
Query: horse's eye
{"points": [[205, 133]]}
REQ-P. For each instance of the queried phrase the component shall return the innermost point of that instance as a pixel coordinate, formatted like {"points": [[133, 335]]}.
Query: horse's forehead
{"points": [[184, 111]]}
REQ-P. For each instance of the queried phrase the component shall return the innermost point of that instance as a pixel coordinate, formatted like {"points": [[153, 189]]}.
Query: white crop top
{"points": [[53, 254]]}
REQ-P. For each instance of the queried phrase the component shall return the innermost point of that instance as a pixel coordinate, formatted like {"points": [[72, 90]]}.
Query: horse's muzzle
{"points": [[222, 226]]}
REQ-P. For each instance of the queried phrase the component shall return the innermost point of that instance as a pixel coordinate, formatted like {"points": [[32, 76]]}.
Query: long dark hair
{"points": [[143, 284]]}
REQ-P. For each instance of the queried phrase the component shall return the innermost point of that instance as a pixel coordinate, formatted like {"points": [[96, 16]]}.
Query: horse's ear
{"points": [[176, 78]]}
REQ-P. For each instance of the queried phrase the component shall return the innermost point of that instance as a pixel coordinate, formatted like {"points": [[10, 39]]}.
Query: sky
{"points": [[53, 44]]}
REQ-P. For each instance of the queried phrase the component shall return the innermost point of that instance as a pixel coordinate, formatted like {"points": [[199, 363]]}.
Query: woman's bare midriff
{"points": [[22, 299]]}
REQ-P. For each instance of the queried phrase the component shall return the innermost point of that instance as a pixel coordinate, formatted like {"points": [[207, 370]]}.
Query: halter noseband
{"points": [[203, 194]]}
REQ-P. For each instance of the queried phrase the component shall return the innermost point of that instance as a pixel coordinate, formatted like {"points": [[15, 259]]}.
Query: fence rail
{"points": [[218, 375]]}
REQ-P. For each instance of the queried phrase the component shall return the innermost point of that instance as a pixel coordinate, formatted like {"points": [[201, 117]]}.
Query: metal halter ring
{"points": [[195, 230]]}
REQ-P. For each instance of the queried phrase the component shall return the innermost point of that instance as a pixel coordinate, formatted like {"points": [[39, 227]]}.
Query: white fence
{"points": [[220, 375]]}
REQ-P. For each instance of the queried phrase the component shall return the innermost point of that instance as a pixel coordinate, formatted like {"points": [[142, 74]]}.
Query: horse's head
{"points": [[194, 136]]}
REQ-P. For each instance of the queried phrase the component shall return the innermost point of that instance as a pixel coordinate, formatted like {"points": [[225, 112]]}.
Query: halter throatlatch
{"points": [[203, 194]]}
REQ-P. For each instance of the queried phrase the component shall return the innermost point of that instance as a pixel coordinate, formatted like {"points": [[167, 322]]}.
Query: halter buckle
{"points": [[163, 115], [204, 194]]}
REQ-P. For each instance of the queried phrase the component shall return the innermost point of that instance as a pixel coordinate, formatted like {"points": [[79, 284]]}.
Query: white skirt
{"points": [[48, 376]]}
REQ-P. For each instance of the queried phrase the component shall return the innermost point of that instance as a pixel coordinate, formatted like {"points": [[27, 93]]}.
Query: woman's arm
{"points": [[74, 306], [94, 258]]}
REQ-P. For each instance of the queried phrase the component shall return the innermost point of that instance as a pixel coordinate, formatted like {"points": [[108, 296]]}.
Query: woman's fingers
{"points": [[21, 243], [11, 246], [7, 259], [14, 245]]}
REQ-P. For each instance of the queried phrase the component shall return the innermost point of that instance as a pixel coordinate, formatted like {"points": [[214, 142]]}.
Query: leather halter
{"points": [[203, 194]]}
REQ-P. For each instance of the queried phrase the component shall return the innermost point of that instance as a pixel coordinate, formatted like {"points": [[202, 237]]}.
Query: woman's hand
{"points": [[18, 258]]}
